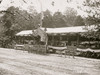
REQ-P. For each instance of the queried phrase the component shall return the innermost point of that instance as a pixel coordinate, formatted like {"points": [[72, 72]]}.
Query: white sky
{"points": [[46, 4]]}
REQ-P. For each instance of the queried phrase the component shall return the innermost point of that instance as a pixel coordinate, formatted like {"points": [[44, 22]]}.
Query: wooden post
{"points": [[52, 39], [60, 37], [46, 44], [69, 42], [60, 52], [77, 39]]}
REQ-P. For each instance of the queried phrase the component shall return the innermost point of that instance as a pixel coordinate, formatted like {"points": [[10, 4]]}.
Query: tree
{"points": [[93, 18], [4, 39], [13, 21], [20, 19], [58, 20], [70, 16], [92, 8], [79, 21], [48, 19]]}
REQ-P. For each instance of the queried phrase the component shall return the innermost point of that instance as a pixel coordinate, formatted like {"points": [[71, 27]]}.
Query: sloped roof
{"points": [[61, 30], [24, 33], [66, 30]]}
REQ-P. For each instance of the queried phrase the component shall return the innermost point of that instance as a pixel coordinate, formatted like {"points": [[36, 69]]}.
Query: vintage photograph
{"points": [[49, 37]]}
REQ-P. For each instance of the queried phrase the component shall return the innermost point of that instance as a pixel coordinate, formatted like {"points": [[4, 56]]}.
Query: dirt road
{"points": [[14, 62]]}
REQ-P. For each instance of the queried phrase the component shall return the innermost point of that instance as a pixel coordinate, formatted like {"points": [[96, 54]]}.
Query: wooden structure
{"points": [[32, 41], [57, 37]]}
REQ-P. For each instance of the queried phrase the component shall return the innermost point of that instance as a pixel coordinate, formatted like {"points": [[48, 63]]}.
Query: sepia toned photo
{"points": [[49, 37]]}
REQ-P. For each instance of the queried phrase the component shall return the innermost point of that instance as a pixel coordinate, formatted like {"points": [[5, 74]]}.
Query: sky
{"points": [[59, 5]]}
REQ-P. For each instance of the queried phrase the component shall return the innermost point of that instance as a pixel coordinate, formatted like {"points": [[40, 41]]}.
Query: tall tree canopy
{"points": [[93, 9], [79, 21], [47, 20], [70, 16], [58, 20], [15, 20]]}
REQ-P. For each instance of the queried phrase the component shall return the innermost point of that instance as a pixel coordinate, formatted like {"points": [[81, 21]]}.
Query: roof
{"points": [[61, 30], [24, 33], [66, 30]]}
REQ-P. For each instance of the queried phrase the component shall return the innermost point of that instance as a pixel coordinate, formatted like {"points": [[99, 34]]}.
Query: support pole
{"points": [[77, 39]]}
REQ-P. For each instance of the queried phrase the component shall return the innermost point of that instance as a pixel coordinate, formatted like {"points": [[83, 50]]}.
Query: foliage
{"points": [[55, 20], [93, 14], [13, 21], [58, 20], [79, 21], [48, 19], [92, 8], [16, 19], [70, 16]]}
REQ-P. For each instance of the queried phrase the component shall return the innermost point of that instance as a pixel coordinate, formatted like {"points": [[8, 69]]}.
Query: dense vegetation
{"points": [[15, 20]]}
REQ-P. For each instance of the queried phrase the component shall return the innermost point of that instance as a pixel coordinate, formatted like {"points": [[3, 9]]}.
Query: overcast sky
{"points": [[46, 4]]}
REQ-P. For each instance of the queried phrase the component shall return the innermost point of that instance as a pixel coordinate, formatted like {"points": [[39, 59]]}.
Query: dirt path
{"points": [[14, 62]]}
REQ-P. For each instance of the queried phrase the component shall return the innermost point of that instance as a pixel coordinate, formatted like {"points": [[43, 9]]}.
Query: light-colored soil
{"points": [[17, 62]]}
